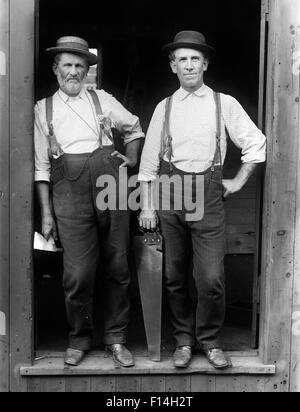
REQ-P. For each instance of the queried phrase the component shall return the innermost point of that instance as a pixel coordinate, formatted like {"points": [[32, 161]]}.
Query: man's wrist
{"points": [[132, 160], [46, 213]]}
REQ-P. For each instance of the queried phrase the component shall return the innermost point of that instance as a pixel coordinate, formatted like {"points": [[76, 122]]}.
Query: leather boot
{"points": [[121, 355], [217, 358], [74, 357], [182, 356]]}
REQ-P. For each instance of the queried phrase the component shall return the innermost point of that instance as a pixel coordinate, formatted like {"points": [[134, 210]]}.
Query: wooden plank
{"points": [[225, 384], [240, 244], [263, 60], [240, 203], [128, 384], [240, 229], [103, 384], [21, 184], [4, 196], [52, 384], [240, 216], [202, 383], [97, 365], [178, 383], [33, 385], [240, 384], [252, 384], [263, 63], [280, 194], [153, 384], [78, 384], [295, 348]]}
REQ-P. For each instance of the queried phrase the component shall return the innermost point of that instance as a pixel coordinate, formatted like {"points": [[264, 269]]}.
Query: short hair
{"points": [[172, 56]]}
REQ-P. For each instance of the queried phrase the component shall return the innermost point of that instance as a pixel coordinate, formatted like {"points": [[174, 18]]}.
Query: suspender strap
{"points": [[99, 112], [166, 138], [49, 113], [217, 155], [96, 102]]}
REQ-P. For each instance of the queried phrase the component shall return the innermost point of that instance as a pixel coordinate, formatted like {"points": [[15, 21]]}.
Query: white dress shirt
{"points": [[193, 127], [79, 133]]}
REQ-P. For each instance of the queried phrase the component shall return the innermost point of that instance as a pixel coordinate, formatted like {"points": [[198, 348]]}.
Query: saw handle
{"points": [[153, 238]]}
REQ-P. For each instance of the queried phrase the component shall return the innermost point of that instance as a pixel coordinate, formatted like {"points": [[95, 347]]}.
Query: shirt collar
{"points": [[82, 95], [184, 94]]}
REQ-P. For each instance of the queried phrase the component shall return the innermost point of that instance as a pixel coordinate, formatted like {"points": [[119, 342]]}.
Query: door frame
{"points": [[280, 248]]}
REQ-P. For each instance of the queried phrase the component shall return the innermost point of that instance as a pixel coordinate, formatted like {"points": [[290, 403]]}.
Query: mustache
{"points": [[73, 78]]}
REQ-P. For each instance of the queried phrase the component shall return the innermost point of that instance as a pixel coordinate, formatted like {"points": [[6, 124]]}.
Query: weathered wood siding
{"points": [[280, 285], [280, 252], [21, 64], [147, 384], [4, 194], [240, 220], [294, 52]]}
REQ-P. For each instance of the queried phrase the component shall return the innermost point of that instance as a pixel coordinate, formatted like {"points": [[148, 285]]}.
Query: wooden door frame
{"points": [[280, 245], [4, 196], [280, 283], [21, 105]]}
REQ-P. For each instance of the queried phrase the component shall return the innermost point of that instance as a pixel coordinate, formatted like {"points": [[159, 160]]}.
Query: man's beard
{"points": [[71, 88]]}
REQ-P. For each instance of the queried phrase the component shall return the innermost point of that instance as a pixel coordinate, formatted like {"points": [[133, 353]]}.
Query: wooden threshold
{"points": [[101, 364]]}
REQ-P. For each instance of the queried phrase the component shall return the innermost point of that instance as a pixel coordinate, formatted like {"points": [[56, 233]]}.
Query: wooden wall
{"points": [[280, 266], [4, 194], [21, 66], [280, 283], [172, 383]]}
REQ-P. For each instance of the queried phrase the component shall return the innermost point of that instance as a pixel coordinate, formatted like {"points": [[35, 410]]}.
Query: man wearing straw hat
{"points": [[73, 147], [187, 138]]}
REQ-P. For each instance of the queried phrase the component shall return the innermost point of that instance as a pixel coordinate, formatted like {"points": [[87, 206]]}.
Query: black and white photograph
{"points": [[149, 199]]}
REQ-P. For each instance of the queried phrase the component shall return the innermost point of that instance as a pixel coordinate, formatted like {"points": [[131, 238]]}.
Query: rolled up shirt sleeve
{"points": [[243, 131], [125, 122], [150, 161], [41, 145]]}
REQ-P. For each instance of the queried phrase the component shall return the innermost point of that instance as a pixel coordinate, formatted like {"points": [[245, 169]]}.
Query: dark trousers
{"points": [[88, 235], [207, 238]]}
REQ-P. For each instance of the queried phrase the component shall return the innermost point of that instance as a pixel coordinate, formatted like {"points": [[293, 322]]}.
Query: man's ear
{"points": [[54, 68], [205, 64], [173, 66]]}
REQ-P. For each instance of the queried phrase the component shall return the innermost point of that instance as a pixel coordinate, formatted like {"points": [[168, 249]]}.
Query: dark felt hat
{"points": [[189, 39], [76, 45]]}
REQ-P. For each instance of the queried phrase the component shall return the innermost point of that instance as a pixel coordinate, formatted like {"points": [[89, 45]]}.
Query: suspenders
{"points": [[166, 138], [55, 148]]}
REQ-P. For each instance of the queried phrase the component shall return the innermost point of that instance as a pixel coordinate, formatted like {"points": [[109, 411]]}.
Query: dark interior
{"points": [[130, 35]]}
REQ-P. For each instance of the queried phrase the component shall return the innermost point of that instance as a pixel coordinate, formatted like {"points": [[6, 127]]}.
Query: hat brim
{"points": [[91, 58], [210, 51]]}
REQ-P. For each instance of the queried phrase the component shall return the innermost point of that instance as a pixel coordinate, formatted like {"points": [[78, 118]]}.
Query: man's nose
{"points": [[73, 71], [189, 64]]}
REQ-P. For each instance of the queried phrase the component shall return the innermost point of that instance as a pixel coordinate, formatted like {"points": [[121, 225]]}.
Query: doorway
{"points": [[130, 35]]}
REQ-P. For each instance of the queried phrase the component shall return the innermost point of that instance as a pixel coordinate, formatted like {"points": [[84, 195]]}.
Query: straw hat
{"points": [[76, 45]]}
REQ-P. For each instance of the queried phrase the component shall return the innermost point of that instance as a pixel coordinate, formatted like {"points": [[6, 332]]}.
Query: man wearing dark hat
{"points": [[73, 147], [187, 138]]}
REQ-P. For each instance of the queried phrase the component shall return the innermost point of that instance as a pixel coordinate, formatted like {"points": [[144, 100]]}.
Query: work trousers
{"points": [[87, 235], [207, 240]]}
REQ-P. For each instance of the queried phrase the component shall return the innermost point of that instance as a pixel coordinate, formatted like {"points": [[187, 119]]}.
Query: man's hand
{"points": [[127, 162], [49, 227], [148, 219], [231, 186], [234, 185]]}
